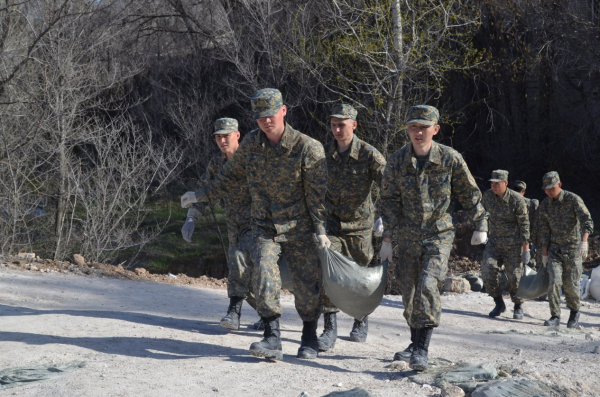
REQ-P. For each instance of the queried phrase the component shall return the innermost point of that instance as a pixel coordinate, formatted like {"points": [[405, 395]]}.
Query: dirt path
{"points": [[153, 339]]}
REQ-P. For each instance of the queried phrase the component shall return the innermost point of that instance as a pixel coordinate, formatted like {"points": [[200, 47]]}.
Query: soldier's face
{"points": [[342, 129], [499, 188], [229, 143], [421, 135], [554, 192], [273, 125]]}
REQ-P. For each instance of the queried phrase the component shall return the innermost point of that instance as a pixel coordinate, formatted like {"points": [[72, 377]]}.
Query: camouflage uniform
{"points": [[350, 210], [236, 204], [562, 223], [287, 183], [418, 202], [508, 230]]}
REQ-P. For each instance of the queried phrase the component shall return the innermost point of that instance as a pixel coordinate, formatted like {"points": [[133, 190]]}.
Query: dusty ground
{"points": [[156, 339]]}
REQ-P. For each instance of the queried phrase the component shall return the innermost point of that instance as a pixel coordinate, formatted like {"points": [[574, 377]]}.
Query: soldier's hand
{"points": [[479, 238], [386, 252], [188, 229], [526, 257], [378, 228], [544, 260], [582, 249], [188, 199], [323, 241]]}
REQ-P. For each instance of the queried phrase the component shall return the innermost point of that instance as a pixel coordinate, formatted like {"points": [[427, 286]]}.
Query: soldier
{"points": [[532, 207], [239, 224], [508, 244], [353, 168], [565, 225], [287, 176], [419, 184]]}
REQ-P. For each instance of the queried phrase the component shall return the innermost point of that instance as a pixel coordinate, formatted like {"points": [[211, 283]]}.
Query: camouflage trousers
{"points": [[565, 269], [239, 280], [494, 257], [305, 269], [421, 266], [359, 248]]}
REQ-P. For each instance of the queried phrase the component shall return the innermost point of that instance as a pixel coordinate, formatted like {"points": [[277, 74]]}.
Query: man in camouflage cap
{"points": [[354, 170], [565, 225], [508, 243], [419, 184], [287, 176], [532, 207], [236, 204]]}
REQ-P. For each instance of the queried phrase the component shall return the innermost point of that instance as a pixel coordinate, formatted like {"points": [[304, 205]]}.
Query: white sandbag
{"points": [[354, 289], [594, 286]]}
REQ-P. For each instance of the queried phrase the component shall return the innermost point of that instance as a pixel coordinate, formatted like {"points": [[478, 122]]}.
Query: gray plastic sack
{"points": [[533, 284], [286, 276], [354, 289]]}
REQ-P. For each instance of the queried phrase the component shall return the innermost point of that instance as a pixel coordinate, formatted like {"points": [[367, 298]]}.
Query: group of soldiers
{"points": [[285, 196]]}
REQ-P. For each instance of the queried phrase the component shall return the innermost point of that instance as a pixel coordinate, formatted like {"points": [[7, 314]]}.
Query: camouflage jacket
{"points": [[508, 219], [287, 183], [532, 209], [236, 202], [419, 202], [348, 201], [563, 221]]}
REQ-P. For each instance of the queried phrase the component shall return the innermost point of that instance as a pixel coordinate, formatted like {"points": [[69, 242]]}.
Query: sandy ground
{"points": [[156, 339]]}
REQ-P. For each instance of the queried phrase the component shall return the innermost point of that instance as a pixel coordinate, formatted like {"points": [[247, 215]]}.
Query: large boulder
{"points": [[457, 284]]}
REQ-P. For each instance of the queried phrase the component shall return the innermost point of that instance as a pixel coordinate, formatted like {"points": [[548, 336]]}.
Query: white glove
{"points": [[386, 252], [526, 257], [544, 260], [188, 229], [188, 199], [323, 241], [479, 238], [582, 249], [378, 228]]}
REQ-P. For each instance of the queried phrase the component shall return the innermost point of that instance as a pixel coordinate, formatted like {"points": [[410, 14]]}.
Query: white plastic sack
{"points": [[533, 284], [354, 289], [594, 285]]}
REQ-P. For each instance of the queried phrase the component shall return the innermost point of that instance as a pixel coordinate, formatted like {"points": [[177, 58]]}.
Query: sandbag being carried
{"points": [[594, 284], [533, 284], [354, 289]]}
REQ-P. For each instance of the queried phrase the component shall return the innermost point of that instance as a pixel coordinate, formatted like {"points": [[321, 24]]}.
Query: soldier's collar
{"points": [[435, 154], [561, 196], [506, 196], [287, 139], [354, 149]]}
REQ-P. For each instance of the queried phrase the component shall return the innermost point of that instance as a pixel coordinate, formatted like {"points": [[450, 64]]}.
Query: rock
{"points": [[449, 390], [26, 255], [518, 352], [79, 260], [457, 284], [470, 372], [596, 350], [33, 268], [140, 271], [503, 374], [590, 336], [514, 388], [398, 366], [356, 392]]}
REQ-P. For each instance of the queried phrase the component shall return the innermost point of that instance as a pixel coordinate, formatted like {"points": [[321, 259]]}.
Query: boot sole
{"points": [[307, 356], [274, 355], [323, 347], [229, 325], [517, 317]]}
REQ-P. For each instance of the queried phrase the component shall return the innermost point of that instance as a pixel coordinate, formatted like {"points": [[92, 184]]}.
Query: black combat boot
{"points": [[499, 308], [518, 312], [573, 319], [329, 335], [406, 353], [418, 359], [360, 329], [554, 321], [232, 318], [310, 343], [270, 346]]}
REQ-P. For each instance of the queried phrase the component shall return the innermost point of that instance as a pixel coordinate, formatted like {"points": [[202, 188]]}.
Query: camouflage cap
{"points": [[266, 102], [520, 185], [225, 126], [423, 114], [550, 180], [499, 176], [343, 111]]}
